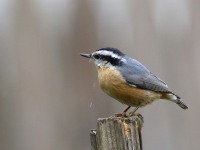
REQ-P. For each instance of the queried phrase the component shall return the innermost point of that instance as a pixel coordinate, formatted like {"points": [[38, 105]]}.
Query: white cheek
{"points": [[96, 62], [101, 63]]}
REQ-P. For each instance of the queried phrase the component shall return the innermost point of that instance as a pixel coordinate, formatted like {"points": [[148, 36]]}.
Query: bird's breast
{"points": [[112, 83]]}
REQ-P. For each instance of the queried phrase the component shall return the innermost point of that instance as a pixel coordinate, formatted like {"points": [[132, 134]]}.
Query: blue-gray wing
{"points": [[138, 75]]}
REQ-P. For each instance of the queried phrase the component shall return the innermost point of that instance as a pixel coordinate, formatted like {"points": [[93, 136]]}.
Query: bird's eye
{"points": [[96, 56]]}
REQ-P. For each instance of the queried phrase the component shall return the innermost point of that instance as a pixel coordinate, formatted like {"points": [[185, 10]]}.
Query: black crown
{"points": [[113, 60]]}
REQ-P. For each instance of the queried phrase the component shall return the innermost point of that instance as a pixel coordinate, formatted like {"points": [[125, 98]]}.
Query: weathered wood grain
{"points": [[117, 133]]}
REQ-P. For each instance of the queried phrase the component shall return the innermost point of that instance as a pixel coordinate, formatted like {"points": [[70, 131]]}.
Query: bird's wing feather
{"points": [[138, 75], [151, 82]]}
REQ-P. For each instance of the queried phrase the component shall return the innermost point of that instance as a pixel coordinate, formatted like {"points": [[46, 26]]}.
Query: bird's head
{"points": [[106, 57]]}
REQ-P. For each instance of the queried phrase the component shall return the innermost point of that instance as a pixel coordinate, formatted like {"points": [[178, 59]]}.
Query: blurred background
{"points": [[49, 95]]}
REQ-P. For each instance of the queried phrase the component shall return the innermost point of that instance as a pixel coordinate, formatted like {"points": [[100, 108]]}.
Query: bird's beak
{"points": [[86, 55]]}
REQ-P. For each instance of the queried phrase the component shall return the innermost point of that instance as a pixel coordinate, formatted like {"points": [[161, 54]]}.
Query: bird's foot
{"points": [[131, 114], [121, 115]]}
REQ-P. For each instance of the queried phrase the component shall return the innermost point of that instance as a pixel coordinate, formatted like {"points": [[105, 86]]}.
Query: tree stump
{"points": [[117, 133]]}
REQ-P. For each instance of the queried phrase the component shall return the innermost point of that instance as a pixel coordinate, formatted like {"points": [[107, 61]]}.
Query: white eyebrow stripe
{"points": [[108, 53]]}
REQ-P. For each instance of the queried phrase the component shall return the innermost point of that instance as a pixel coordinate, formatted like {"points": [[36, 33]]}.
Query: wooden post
{"points": [[117, 133]]}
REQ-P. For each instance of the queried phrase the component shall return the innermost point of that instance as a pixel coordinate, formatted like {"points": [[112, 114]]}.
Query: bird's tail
{"points": [[175, 98], [181, 104]]}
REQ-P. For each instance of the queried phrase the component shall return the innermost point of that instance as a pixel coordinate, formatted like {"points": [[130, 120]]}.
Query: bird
{"points": [[129, 81]]}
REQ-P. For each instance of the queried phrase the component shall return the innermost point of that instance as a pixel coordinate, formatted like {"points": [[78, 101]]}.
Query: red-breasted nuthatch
{"points": [[128, 81]]}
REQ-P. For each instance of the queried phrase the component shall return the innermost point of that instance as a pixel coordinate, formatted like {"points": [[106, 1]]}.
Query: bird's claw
{"points": [[121, 115]]}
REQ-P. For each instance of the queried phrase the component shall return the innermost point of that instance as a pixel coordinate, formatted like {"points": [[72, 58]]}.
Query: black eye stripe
{"points": [[103, 57], [114, 61], [96, 56]]}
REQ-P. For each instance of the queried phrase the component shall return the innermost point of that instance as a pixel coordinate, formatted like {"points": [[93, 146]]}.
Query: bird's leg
{"points": [[125, 110], [123, 114], [133, 112], [138, 115]]}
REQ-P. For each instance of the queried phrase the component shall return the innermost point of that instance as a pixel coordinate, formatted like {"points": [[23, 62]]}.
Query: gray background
{"points": [[49, 95]]}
